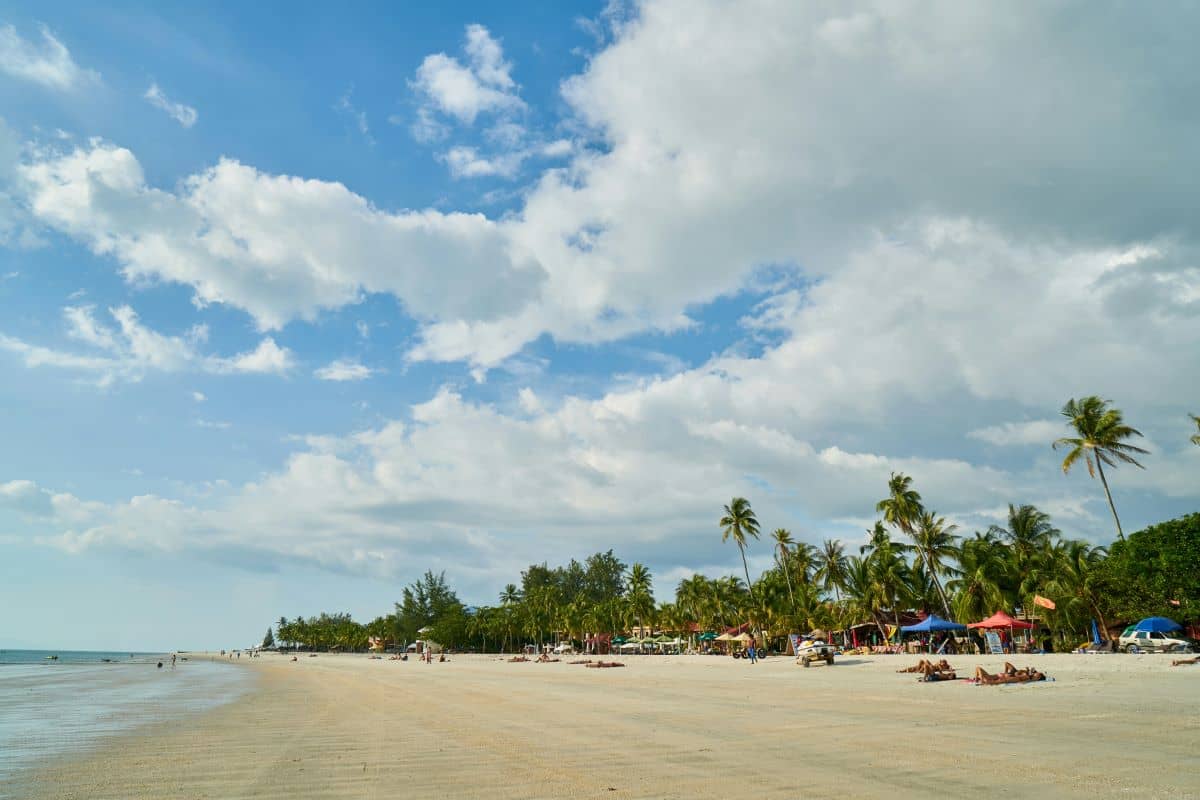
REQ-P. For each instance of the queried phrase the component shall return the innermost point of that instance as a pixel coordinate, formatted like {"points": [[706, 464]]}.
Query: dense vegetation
{"points": [[913, 560]]}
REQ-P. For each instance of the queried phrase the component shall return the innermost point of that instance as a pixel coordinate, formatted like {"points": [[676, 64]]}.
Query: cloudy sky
{"points": [[296, 306]]}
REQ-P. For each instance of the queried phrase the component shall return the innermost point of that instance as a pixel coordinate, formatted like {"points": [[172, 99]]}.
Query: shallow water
{"points": [[52, 708]]}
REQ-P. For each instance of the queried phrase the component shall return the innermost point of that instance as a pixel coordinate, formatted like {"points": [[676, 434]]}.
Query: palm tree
{"points": [[1074, 580], [639, 595], [1196, 438], [983, 571], [783, 540], [831, 567], [903, 510], [1029, 536], [738, 523], [1101, 440], [935, 542]]}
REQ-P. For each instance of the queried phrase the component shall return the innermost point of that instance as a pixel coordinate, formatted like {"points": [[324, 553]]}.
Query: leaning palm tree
{"points": [[1101, 440], [1196, 438], [738, 523], [935, 541], [783, 541]]}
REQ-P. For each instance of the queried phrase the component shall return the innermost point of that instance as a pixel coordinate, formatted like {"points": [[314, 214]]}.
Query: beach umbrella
{"points": [[1002, 620], [1157, 625]]}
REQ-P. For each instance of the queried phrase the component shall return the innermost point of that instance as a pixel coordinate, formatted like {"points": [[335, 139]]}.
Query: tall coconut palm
{"points": [[783, 541], [1196, 438], [831, 567], [983, 571], [935, 541], [738, 523], [1029, 536], [1074, 579], [903, 510], [639, 594], [1101, 434]]}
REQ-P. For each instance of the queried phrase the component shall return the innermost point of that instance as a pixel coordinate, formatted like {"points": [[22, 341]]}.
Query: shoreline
{"points": [[664, 726]]}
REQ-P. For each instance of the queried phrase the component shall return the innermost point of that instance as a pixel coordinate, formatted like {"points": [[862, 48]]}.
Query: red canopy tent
{"points": [[1002, 620]]}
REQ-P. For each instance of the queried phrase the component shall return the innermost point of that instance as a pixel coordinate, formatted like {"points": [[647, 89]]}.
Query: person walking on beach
{"points": [[751, 653], [172, 661]]}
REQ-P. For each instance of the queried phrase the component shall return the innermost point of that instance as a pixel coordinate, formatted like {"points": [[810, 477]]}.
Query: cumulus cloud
{"points": [[951, 254], [47, 62], [185, 115], [343, 370], [1034, 432], [278, 247], [131, 349], [463, 91]]}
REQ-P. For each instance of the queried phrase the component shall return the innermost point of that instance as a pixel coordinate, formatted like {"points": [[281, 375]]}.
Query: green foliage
{"points": [[269, 640], [424, 602], [1152, 567]]}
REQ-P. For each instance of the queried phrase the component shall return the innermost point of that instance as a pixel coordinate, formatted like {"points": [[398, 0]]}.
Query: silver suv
{"points": [[1153, 642]]}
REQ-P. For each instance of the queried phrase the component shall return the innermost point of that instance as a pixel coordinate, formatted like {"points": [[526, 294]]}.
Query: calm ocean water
{"points": [[53, 707]]}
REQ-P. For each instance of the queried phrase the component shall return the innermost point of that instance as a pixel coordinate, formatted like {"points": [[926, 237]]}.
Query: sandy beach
{"points": [[687, 726]]}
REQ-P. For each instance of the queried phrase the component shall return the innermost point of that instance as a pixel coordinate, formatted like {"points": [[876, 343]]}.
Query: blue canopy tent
{"points": [[933, 624], [1157, 625]]}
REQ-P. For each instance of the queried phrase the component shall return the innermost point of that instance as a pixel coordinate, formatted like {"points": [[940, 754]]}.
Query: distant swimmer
{"points": [[160, 665]]}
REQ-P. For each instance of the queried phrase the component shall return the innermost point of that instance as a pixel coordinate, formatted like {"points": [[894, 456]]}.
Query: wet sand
{"points": [[664, 727]]}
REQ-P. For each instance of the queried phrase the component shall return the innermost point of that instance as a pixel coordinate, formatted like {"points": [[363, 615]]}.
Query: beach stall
{"points": [[1001, 621], [933, 624]]}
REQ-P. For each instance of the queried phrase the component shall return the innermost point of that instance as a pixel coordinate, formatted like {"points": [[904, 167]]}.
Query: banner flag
{"points": [[1038, 600]]}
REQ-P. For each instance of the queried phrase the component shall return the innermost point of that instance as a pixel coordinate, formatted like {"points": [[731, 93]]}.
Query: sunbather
{"points": [[1027, 675], [517, 659], [1179, 662], [937, 672], [604, 664], [922, 665]]}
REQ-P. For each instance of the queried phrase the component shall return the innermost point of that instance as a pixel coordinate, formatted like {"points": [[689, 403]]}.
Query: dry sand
{"points": [[676, 726]]}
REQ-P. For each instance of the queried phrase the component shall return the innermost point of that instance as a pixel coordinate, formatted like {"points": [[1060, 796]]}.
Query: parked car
{"points": [[1133, 641]]}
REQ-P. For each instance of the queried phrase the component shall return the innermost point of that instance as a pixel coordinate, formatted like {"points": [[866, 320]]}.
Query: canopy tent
{"points": [[743, 637], [1157, 625], [1002, 620], [707, 636], [726, 637], [931, 624], [619, 640]]}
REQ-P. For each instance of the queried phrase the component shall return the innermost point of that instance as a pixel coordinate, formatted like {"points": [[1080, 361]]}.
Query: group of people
{"points": [[933, 671]]}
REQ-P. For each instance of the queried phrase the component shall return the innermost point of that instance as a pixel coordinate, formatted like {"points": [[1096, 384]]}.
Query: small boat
{"points": [[52, 658]]}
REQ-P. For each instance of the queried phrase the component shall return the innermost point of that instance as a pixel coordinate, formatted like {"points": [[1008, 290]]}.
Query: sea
{"points": [[56, 707]]}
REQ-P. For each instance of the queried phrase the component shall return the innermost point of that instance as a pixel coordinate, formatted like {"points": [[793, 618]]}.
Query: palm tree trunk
{"points": [[787, 574], [936, 583], [1108, 494]]}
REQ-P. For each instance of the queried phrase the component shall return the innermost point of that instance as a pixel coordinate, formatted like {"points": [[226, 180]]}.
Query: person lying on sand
{"points": [[1179, 662], [581, 661], [545, 659], [940, 671], [922, 665], [1027, 675], [605, 664], [517, 660]]}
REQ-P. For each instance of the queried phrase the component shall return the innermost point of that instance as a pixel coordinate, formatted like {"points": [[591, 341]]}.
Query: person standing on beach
{"points": [[750, 651], [172, 661]]}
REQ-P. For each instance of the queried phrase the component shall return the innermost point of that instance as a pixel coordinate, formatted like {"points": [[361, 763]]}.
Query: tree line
{"points": [[913, 559]]}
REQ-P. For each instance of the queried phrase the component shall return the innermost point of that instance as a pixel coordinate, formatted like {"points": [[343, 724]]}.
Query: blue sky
{"points": [[295, 305]]}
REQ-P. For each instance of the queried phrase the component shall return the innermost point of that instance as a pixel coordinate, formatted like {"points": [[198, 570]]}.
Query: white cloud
{"points": [[183, 114], [364, 330], [130, 350], [343, 370], [463, 91], [465, 162], [1036, 432], [216, 425], [276, 246], [47, 63], [199, 397]]}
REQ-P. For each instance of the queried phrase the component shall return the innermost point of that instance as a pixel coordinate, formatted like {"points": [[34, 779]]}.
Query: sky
{"points": [[298, 302]]}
